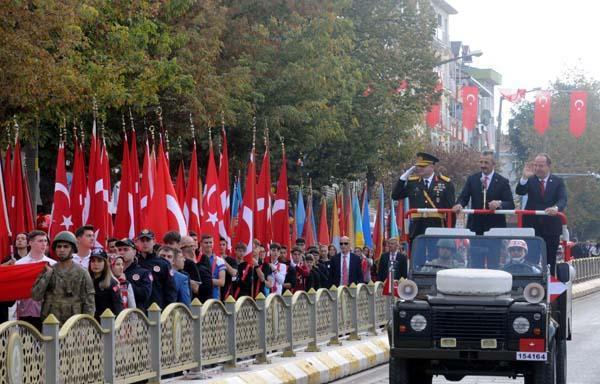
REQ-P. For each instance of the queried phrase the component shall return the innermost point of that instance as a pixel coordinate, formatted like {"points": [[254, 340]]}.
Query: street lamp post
{"points": [[470, 55]]}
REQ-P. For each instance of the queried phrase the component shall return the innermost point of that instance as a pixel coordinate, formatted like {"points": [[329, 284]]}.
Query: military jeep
{"points": [[476, 305]]}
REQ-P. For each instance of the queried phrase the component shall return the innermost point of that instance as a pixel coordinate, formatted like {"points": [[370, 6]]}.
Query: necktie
{"points": [[345, 271], [485, 182], [426, 183], [542, 186]]}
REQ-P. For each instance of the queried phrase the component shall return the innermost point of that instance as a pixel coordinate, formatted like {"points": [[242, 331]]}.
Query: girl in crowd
{"points": [[108, 293]]}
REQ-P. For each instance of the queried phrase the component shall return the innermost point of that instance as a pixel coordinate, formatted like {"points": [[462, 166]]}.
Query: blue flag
{"points": [[300, 214], [366, 222]]}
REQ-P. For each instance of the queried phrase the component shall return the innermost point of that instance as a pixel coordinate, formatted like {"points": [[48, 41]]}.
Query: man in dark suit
{"points": [[397, 257], [545, 192], [345, 266], [485, 190]]}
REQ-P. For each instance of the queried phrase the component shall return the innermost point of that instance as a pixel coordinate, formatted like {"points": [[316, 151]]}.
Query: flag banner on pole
{"points": [[578, 113], [470, 101], [541, 116]]}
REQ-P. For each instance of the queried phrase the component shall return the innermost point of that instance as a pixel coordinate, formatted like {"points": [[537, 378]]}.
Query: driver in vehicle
{"points": [[446, 257], [517, 254]]}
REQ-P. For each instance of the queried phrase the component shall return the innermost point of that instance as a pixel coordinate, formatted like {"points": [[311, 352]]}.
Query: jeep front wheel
{"points": [[403, 371]]}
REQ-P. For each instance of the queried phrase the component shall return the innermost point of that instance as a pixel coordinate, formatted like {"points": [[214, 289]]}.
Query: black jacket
{"points": [[141, 283], [163, 287], [498, 189], [205, 292], [400, 266], [555, 194], [109, 298], [355, 274]]}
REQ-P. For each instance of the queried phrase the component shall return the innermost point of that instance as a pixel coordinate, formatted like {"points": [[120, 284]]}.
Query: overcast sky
{"points": [[530, 42]]}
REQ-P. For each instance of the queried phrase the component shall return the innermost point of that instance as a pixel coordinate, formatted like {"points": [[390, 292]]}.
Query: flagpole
{"points": [[254, 203]]}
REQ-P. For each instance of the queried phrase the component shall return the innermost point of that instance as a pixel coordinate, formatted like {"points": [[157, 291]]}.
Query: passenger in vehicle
{"points": [[517, 259]]}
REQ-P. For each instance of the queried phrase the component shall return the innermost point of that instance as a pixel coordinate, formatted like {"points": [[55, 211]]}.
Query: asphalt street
{"points": [[583, 365]]}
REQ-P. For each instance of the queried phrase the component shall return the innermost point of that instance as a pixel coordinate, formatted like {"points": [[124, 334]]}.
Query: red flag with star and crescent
{"points": [[61, 218], [191, 207], [180, 184], [470, 100], [245, 228], [5, 233], [280, 211], [578, 113], [225, 228], [211, 201], [262, 214], [125, 216], [78, 186], [541, 115]]}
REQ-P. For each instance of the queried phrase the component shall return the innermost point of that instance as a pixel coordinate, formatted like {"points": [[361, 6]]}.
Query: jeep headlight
{"points": [[418, 323], [521, 325]]}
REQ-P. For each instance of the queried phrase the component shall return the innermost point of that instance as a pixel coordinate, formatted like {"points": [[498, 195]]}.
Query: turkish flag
{"points": [[20, 213], [532, 345], [16, 281], [78, 186], [191, 208], [308, 230], [180, 184], [61, 218], [106, 192], [147, 185], [323, 228], [280, 212], [98, 207], [245, 228], [125, 216], [164, 212], [541, 116], [470, 101], [225, 191], [512, 95], [134, 175], [211, 202], [262, 214], [8, 177], [388, 289], [433, 116], [5, 234], [578, 113]]}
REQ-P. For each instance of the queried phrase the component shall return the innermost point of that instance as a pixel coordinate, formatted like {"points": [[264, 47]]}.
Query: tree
{"points": [[569, 155]]}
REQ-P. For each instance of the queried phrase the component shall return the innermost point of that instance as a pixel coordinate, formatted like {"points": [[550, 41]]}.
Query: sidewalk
{"points": [[332, 363]]}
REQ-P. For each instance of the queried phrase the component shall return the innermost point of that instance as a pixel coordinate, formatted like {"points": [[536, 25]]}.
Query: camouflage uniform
{"points": [[65, 293]]}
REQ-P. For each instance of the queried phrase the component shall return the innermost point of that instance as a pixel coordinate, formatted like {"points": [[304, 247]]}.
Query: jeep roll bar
{"points": [[512, 212]]}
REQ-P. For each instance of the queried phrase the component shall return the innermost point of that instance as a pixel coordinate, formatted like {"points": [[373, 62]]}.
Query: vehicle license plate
{"points": [[532, 356], [489, 344]]}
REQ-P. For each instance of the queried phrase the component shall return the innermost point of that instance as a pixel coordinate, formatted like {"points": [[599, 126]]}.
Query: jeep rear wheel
{"points": [[561, 362], [403, 371]]}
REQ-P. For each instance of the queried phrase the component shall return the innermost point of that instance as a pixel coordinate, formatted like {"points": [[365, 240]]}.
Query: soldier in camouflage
{"points": [[65, 289]]}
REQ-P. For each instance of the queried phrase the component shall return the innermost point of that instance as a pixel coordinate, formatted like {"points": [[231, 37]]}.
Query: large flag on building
{"points": [[125, 216], [191, 208], [541, 116], [470, 101], [61, 218], [578, 113], [281, 215]]}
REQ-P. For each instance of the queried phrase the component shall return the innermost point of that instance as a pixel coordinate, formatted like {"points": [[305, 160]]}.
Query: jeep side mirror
{"points": [[563, 272]]}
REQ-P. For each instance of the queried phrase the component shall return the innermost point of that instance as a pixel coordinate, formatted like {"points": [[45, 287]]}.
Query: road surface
{"points": [[583, 365]]}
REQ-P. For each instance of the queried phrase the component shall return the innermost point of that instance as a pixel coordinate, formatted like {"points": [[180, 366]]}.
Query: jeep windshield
{"points": [[518, 256]]}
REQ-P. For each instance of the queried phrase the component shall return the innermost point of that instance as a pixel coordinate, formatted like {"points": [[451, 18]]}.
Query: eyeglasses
{"points": [[344, 243]]}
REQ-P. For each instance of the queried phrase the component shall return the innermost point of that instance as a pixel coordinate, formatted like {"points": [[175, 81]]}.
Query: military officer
{"points": [[425, 188], [65, 289]]}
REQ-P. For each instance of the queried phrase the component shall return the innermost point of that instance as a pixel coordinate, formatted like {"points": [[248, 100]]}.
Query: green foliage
{"points": [[301, 67], [569, 154]]}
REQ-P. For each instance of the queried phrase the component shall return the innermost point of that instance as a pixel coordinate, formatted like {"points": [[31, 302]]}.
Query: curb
{"points": [[322, 367], [586, 288]]}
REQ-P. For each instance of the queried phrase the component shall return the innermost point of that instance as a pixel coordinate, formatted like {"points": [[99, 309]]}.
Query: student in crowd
{"points": [[125, 288], [106, 287]]}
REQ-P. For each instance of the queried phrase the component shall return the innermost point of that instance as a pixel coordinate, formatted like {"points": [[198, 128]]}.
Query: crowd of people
{"points": [[80, 278]]}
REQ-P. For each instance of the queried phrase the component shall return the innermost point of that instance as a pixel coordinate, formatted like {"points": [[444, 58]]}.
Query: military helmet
{"points": [[67, 237], [446, 243]]}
